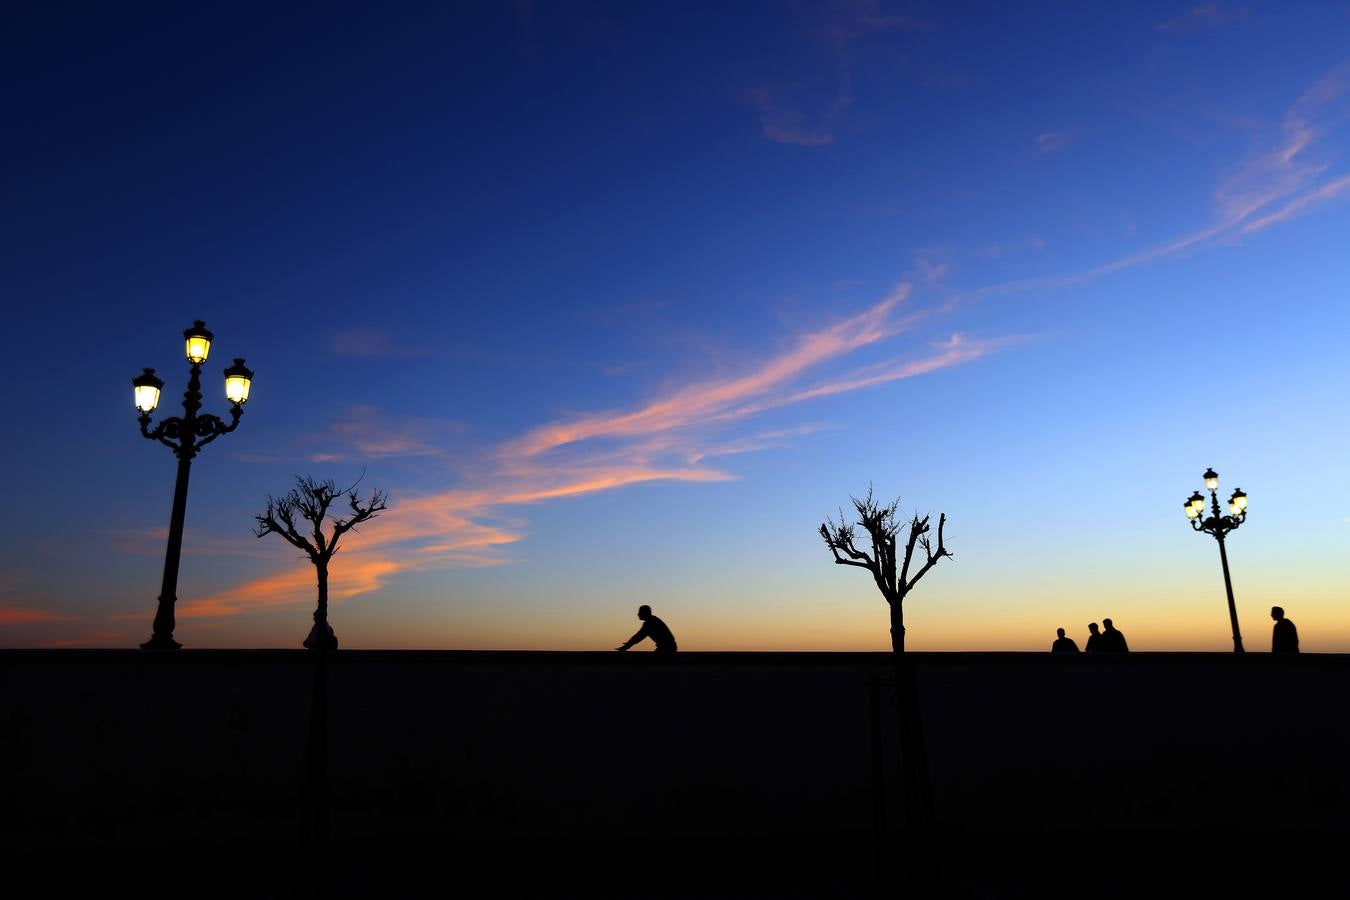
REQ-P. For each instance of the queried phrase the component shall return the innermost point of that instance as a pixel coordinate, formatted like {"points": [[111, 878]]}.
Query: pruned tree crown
{"points": [[299, 515], [882, 526]]}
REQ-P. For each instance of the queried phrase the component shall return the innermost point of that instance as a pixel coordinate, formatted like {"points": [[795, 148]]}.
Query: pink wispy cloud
{"points": [[811, 115], [1048, 142], [1285, 181], [150, 542], [701, 401], [364, 432], [1290, 169], [846, 21], [755, 443], [1329, 191], [358, 573], [90, 638], [931, 272], [1206, 15], [11, 614], [18, 607], [957, 350], [668, 439], [429, 532], [369, 341], [783, 122]]}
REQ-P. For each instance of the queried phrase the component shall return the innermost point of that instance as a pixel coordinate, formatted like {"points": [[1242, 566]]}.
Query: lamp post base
{"points": [[161, 643]]}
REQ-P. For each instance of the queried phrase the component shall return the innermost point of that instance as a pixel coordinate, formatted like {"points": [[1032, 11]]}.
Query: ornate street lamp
{"points": [[185, 435], [1219, 525]]}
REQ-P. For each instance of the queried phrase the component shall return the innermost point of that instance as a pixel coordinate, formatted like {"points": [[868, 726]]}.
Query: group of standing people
{"points": [[1284, 639], [1106, 640]]}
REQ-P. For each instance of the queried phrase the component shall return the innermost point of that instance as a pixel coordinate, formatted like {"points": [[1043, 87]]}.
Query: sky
{"points": [[619, 301]]}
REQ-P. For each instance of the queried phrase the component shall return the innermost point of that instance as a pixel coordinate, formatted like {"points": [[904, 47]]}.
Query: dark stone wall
{"points": [[114, 754]]}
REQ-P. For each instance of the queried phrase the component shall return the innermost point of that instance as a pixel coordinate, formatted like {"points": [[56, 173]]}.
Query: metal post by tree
{"points": [[1219, 526], [185, 435]]}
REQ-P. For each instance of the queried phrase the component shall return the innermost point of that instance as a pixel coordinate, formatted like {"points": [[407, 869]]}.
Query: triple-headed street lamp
{"points": [[1219, 525], [185, 435]]}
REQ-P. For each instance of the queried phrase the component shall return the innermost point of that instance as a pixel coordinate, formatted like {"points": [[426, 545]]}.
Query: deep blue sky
{"points": [[618, 302]]}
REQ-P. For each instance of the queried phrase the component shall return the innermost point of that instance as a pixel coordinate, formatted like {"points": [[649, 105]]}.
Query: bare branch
{"points": [[279, 518], [883, 528], [360, 513], [840, 538], [835, 546], [311, 499], [877, 521], [917, 527], [932, 554]]}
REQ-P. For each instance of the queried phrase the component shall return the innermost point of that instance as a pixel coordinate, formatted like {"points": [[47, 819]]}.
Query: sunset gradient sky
{"points": [[619, 301]]}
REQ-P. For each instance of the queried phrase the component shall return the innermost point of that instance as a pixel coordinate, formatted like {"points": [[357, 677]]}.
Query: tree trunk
{"points": [[321, 635], [321, 613], [897, 624]]}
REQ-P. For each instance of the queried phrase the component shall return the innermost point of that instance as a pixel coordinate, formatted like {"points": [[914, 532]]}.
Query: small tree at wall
{"points": [[891, 574], [299, 517]]}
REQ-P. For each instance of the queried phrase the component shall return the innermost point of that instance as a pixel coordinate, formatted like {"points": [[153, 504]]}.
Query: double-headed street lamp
{"points": [[1219, 525], [185, 435]]}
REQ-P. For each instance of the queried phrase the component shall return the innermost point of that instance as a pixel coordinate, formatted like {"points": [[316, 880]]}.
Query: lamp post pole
{"points": [[1219, 526], [185, 435]]}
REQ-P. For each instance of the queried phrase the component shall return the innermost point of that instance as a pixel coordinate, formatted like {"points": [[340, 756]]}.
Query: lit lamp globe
{"points": [[1211, 480], [1237, 504], [147, 391], [238, 379], [198, 342], [1195, 506]]}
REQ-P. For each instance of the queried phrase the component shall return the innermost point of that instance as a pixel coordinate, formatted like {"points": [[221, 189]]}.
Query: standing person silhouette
{"points": [[1063, 644], [653, 628], [1285, 637], [1113, 641], [1094, 641]]}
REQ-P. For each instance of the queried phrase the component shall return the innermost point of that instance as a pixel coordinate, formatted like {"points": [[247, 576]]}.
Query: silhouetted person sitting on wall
{"points": [[653, 628], [1112, 641], [1063, 644], [1094, 641], [1285, 638]]}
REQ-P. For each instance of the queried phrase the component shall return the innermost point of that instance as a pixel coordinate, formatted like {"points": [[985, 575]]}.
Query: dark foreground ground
{"points": [[710, 775], [984, 866]]}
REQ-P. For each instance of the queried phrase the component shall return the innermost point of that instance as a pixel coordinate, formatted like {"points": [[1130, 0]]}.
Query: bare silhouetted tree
{"points": [[299, 517], [889, 571]]}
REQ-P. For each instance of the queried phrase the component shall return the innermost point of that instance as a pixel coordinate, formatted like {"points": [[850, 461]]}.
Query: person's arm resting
{"points": [[641, 633]]}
